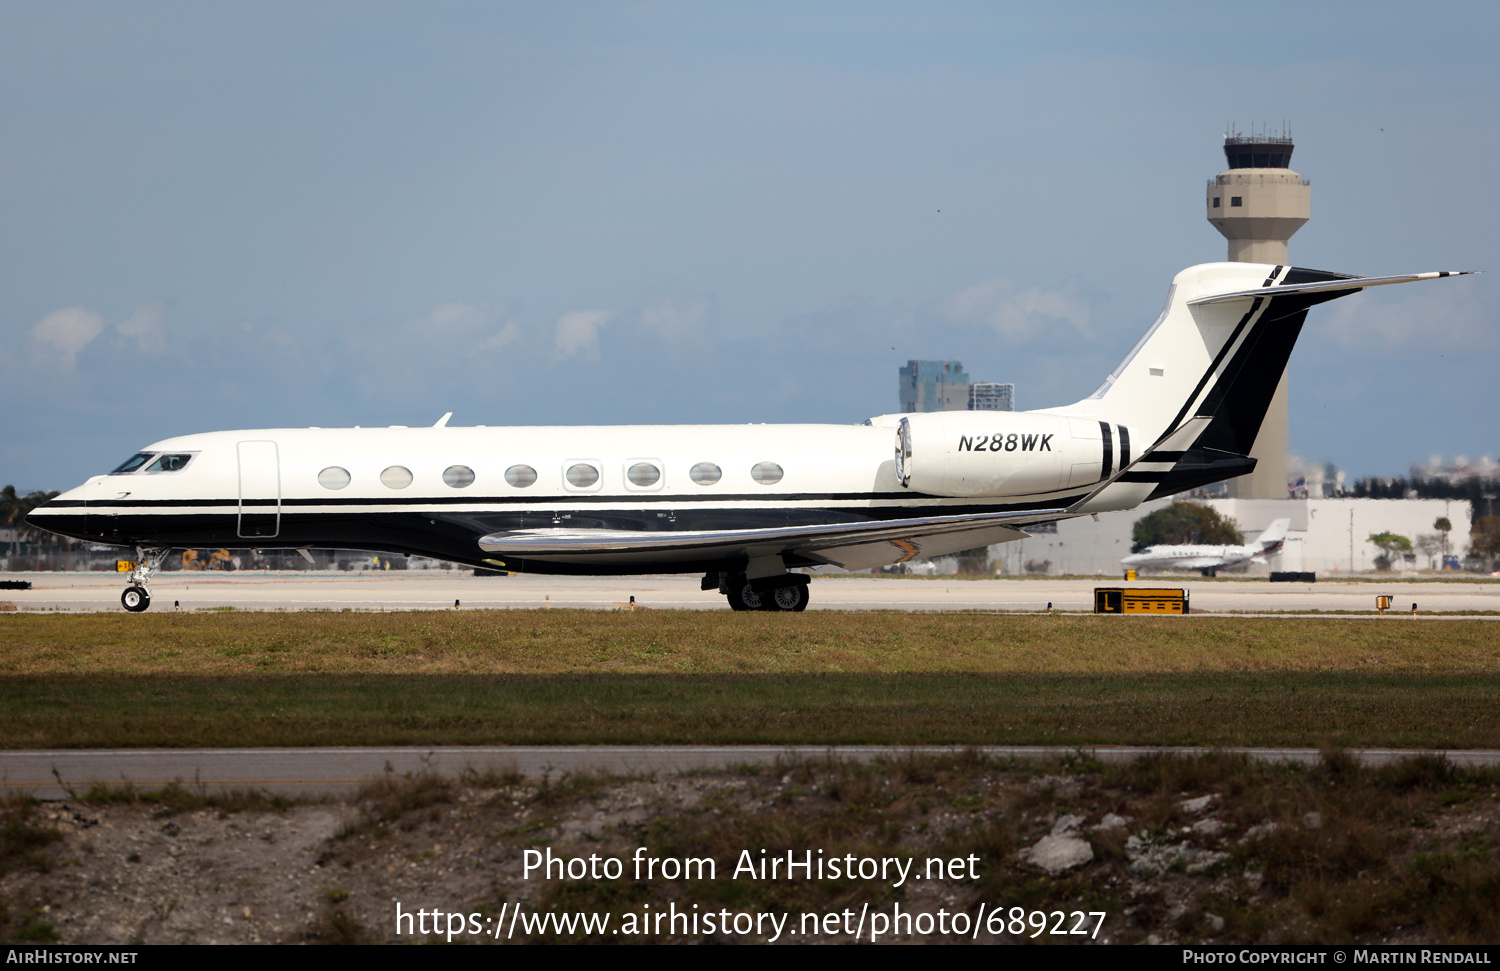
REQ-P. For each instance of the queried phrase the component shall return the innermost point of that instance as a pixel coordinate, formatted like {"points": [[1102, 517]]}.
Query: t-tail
{"points": [[1272, 539], [1196, 387]]}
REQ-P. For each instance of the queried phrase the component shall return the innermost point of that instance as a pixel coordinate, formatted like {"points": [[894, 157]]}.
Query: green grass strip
{"points": [[579, 677], [1411, 709]]}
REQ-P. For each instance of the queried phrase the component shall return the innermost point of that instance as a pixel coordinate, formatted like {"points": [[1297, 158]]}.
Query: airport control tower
{"points": [[1258, 202]]}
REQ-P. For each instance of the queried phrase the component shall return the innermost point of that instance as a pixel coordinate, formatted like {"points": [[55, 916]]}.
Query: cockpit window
{"points": [[134, 462], [169, 463]]}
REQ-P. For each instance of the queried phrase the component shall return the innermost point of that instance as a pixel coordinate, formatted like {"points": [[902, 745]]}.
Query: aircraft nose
{"points": [[65, 514]]}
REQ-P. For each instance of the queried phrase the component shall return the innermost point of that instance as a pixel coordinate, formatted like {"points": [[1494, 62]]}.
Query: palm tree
{"points": [[13, 510], [1443, 525]]}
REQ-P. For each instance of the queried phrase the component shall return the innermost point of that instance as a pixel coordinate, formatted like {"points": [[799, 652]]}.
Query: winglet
{"points": [[443, 421]]}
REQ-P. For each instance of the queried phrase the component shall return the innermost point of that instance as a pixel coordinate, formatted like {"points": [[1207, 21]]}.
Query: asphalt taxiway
{"points": [[340, 771], [438, 590]]}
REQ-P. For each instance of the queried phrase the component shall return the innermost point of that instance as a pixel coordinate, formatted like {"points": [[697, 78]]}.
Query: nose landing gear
{"points": [[136, 597]]}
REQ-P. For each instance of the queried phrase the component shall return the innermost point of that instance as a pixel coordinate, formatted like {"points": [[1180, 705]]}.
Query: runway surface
{"points": [[437, 590], [338, 771]]}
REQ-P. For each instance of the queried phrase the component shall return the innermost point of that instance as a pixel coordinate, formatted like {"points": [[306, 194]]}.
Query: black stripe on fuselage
{"points": [[1109, 451], [537, 500], [453, 534]]}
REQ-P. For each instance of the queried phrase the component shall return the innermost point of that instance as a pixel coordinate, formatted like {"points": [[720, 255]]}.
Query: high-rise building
{"points": [[1258, 203], [934, 386], [992, 396]]}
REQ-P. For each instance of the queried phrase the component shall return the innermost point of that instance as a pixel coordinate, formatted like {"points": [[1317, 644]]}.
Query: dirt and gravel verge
{"points": [[1210, 849]]}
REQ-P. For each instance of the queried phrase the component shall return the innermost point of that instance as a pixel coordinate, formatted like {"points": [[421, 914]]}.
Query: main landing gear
{"points": [[787, 591], [136, 597]]}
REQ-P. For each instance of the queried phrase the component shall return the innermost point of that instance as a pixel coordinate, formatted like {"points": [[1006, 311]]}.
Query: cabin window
{"points": [[582, 475], [169, 463], [643, 474], [134, 462], [396, 477], [766, 473], [458, 476], [706, 473], [520, 476], [333, 477]]}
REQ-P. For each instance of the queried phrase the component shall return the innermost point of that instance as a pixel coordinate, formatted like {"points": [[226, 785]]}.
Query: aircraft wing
{"points": [[853, 546]]}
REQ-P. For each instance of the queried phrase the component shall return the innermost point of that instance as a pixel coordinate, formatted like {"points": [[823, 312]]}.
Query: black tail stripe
{"points": [[1218, 359], [1109, 450], [1124, 446]]}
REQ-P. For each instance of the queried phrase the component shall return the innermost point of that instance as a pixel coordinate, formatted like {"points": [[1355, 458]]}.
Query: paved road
{"points": [[433, 590], [335, 771]]}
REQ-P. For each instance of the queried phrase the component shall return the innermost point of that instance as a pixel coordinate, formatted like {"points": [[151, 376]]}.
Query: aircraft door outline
{"points": [[260, 490]]}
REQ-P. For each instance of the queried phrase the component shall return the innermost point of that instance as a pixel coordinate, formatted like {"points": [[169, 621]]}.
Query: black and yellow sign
{"points": [[1144, 600]]}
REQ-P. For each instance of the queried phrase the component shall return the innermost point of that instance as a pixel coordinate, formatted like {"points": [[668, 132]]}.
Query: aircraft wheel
{"points": [[135, 599], [787, 598], [741, 597]]}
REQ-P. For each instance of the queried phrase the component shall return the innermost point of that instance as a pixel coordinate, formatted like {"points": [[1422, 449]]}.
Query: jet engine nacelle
{"points": [[997, 453]]}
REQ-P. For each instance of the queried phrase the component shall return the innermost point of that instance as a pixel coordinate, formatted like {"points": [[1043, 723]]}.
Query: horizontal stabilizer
{"points": [[1348, 284]]}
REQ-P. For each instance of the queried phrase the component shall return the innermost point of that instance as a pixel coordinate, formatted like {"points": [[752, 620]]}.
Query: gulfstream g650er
{"points": [[741, 504]]}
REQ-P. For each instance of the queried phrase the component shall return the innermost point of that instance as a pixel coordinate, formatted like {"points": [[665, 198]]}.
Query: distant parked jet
{"points": [[1210, 559]]}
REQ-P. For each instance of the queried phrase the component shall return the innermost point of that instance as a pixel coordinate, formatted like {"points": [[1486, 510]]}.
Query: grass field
{"points": [[577, 677]]}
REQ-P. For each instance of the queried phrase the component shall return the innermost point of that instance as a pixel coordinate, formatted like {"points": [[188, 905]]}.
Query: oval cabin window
{"points": [[766, 473], [396, 477], [520, 476], [458, 476], [333, 477], [706, 473], [582, 475], [643, 474]]}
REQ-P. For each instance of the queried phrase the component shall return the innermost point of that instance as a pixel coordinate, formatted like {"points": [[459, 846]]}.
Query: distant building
{"points": [[992, 396], [1329, 537], [934, 386]]}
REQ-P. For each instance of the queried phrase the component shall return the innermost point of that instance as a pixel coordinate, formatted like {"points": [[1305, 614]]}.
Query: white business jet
{"points": [[744, 505], [1211, 559]]}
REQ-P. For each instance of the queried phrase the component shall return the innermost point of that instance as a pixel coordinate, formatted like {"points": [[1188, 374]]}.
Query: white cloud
{"points": [[578, 333], [144, 326], [65, 333], [453, 320], [1016, 313], [456, 316], [506, 335], [676, 318]]}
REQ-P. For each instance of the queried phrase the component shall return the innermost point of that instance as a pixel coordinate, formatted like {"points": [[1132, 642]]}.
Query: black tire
{"points": [[786, 598], [741, 597], [135, 599]]}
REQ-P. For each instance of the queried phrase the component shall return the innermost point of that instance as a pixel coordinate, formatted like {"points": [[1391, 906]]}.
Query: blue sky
{"points": [[217, 216]]}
